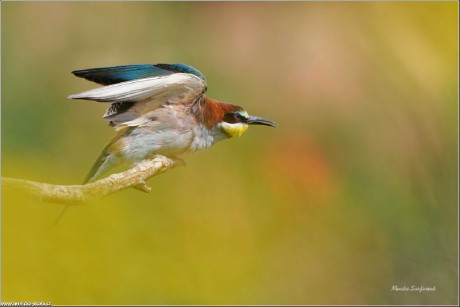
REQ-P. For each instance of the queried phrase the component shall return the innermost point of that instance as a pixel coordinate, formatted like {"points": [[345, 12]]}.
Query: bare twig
{"points": [[76, 194]]}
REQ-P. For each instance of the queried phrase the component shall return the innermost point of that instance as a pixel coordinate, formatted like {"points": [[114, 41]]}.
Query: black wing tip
{"points": [[96, 75], [82, 73]]}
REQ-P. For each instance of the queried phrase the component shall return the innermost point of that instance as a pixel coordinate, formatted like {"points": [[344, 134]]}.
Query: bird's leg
{"points": [[151, 156]]}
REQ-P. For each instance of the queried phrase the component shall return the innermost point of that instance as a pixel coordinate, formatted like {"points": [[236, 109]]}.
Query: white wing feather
{"points": [[135, 90]]}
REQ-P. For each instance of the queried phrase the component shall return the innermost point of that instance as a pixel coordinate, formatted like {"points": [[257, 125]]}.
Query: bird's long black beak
{"points": [[255, 120]]}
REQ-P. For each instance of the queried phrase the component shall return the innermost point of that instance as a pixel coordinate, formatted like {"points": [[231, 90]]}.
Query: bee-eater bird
{"points": [[159, 109]]}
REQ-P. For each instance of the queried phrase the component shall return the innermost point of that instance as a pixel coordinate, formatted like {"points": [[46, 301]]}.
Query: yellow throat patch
{"points": [[233, 130]]}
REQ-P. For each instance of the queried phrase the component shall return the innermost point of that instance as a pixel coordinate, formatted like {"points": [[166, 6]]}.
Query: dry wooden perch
{"points": [[77, 194]]}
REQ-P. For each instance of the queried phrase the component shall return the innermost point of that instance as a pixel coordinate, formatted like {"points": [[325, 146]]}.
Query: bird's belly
{"points": [[169, 143]]}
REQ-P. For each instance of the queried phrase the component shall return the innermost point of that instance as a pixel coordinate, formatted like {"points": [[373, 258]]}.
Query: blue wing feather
{"points": [[117, 74]]}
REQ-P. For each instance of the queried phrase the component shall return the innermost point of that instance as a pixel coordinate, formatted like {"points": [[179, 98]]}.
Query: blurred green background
{"points": [[354, 192]]}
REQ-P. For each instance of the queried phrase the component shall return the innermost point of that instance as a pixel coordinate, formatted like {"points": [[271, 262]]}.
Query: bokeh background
{"points": [[354, 192]]}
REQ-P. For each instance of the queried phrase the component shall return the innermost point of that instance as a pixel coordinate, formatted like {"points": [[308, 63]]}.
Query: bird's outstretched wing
{"points": [[117, 74], [132, 98]]}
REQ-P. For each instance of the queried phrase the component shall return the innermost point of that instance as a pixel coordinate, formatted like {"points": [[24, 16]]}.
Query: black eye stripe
{"points": [[234, 117]]}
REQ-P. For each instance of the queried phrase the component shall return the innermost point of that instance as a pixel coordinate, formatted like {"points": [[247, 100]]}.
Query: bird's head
{"points": [[236, 122], [227, 120]]}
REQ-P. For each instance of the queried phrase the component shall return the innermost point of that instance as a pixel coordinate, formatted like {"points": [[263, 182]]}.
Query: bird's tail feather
{"points": [[106, 159], [99, 167], [104, 162]]}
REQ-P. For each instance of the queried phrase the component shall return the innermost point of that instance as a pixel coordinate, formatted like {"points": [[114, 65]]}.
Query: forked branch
{"points": [[77, 194]]}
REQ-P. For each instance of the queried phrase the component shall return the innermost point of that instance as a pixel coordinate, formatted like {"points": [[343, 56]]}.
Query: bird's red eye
{"points": [[236, 116]]}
